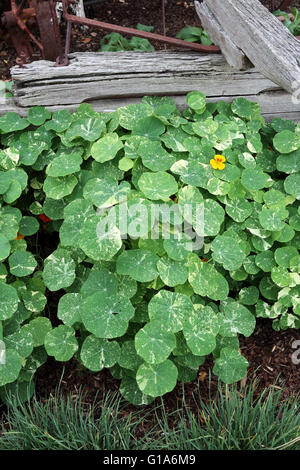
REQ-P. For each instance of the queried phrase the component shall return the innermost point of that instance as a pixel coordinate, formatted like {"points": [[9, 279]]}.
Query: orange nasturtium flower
{"points": [[19, 236], [44, 218], [218, 162]]}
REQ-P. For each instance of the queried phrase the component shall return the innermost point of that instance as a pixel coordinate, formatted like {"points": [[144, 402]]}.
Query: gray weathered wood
{"points": [[95, 76], [234, 56], [268, 44], [273, 104], [111, 80]]}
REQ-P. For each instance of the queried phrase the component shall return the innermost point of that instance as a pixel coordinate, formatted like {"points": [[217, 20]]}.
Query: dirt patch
{"points": [[179, 13], [268, 352]]}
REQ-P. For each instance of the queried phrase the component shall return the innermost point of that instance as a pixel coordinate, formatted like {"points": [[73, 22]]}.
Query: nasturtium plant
{"points": [[123, 246]]}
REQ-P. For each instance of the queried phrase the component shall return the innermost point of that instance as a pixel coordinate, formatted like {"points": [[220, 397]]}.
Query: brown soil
{"points": [[179, 13], [268, 352]]}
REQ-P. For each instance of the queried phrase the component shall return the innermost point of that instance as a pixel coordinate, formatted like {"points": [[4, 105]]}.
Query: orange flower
{"points": [[19, 236], [204, 260], [218, 162], [44, 218]]}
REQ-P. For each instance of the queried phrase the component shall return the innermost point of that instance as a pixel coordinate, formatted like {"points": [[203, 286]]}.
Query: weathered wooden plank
{"points": [[273, 104], [92, 76], [234, 56], [268, 44]]}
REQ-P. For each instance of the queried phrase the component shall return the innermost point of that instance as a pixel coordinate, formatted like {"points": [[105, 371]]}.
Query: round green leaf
{"points": [[170, 309], [149, 127], [200, 331], [154, 156], [100, 280], [236, 319], [105, 192], [4, 247], [207, 281], [38, 115], [271, 219], [158, 185], [125, 164], [292, 185], [57, 188], [242, 108], [289, 163], [178, 247], [9, 301], [9, 371], [100, 239], [238, 209], [213, 217], [38, 327], [153, 343], [157, 379], [254, 179], [106, 316], [61, 343], [34, 301], [231, 366], [265, 261], [21, 341], [193, 172], [172, 272], [88, 128], [98, 353], [60, 122], [129, 115], [249, 295], [174, 139], [131, 392], [196, 100], [282, 277], [76, 214], [67, 163], [12, 122], [227, 252], [68, 309], [22, 263], [106, 148], [285, 141], [59, 270], [284, 255], [28, 226], [138, 264]]}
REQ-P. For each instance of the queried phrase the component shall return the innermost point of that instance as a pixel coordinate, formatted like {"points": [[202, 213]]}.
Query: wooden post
{"points": [[234, 56], [266, 42]]}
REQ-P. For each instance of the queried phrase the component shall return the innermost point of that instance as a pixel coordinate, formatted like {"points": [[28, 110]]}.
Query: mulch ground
{"points": [[268, 352], [179, 13]]}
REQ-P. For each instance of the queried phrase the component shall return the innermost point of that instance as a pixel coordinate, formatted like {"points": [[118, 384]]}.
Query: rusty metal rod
{"points": [[68, 38], [163, 8], [141, 34], [9, 18]]}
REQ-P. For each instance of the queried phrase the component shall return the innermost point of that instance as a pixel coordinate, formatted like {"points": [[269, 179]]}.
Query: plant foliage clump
{"points": [[291, 20], [150, 308], [195, 34]]}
